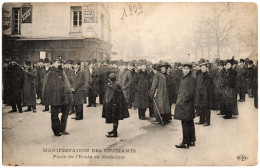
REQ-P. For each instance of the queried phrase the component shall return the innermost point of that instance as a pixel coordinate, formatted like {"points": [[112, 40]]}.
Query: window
{"points": [[42, 54], [16, 29], [76, 15]]}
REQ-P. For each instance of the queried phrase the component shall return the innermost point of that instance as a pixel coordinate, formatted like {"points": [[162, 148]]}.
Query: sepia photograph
{"points": [[129, 83]]}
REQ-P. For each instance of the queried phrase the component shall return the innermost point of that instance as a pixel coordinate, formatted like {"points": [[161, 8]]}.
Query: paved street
{"points": [[28, 140]]}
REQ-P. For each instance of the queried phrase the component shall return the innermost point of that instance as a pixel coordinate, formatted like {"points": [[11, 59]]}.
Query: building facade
{"points": [[72, 30]]}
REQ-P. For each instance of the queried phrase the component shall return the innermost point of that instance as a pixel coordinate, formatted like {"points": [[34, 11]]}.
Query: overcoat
{"points": [[177, 75], [104, 71], [114, 107], [217, 89], [93, 82], [16, 76], [170, 87], [229, 91], [125, 79], [141, 87], [56, 88], [29, 87], [204, 90], [77, 82], [184, 109], [159, 93], [241, 83]]}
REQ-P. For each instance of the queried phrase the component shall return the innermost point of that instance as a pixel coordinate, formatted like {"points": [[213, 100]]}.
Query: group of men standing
{"points": [[196, 88]]}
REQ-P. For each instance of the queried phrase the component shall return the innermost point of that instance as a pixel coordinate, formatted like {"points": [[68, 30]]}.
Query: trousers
{"points": [[57, 124], [188, 131]]}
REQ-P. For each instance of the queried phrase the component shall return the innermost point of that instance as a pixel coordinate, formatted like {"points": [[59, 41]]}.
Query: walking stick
{"points": [[157, 107], [92, 88]]}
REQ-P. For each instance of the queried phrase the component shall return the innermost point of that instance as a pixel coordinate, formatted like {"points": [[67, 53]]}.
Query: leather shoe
{"points": [[226, 117], [89, 105], [111, 132], [206, 124], [78, 118], [94, 105], [185, 146], [44, 110], [241, 100], [65, 133], [27, 110], [12, 111], [220, 114], [59, 134], [192, 144], [113, 135]]}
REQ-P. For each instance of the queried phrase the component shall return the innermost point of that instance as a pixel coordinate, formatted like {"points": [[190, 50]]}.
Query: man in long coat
{"points": [[124, 79], [93, 85], [229, 87], [14, 95], [104, 71], [29, 87], [77, 82], [159, 94], [57, 92], [217, 88], [141, 87], [177, 79], [184, 109], [46, 69], [241, 80], [204, 87], [114, 107]]}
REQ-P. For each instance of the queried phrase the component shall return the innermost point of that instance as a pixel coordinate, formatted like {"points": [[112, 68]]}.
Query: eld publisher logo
{"points": [[242, 157]]}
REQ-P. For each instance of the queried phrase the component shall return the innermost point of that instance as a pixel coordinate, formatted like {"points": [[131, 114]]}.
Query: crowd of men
{"points": [[195, 88]]}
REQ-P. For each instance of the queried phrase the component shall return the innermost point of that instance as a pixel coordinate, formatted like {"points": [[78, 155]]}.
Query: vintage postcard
{"points": [[129, 84]]}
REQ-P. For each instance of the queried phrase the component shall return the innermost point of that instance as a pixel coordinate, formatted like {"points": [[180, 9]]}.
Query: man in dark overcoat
{"points": [[57, 92], [177, 79], [47, 66], [229, 91], [124, 78], [184, 109], [93, 85], [114, 107], [250, 78], [104, 71], [14, 95], [40, 69], [241, 80], [141, 87], [159, 94], [203, 96], [77, 82], [29, 86]]}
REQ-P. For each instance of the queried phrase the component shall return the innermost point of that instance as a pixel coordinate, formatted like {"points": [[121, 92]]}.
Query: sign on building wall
{"points": [[89, 13], [7, 18], [27, 13]]}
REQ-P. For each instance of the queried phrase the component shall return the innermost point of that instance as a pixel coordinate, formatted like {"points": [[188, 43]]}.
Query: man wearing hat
{"points": [[40, 69], [250, 78], [47, 66], [57, 93], [217, 97], [203, 95], [229, 106], [93, 85], [130, 67], [29, 86], [241, 80], [141, 88], [104, 71], [184, 109], [177, 79], [170, 84], [14, 95], [124, 78], [77, 82], [115, 106], [159, 94]]}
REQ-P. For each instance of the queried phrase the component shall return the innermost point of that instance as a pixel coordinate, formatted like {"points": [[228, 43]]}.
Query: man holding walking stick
{"points": [[160, 96]]}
